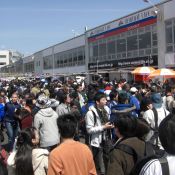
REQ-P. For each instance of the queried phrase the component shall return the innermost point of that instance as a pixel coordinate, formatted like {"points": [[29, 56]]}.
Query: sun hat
{"points": [[157, 100], [43, 101]]}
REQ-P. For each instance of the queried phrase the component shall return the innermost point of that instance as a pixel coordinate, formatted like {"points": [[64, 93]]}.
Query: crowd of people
{"points": [[101, 128]]}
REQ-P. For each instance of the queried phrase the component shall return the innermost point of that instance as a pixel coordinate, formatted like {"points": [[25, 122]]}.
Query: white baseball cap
{"points": [[133, 89]]}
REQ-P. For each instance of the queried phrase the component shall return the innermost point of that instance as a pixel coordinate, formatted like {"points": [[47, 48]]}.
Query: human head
{"points": [[133, 90], [43, 101], [100, 99], [78, 88], [167, 132], [67, 125], [3, 92], [28, 136], [129, 126], [126, 87], [65, 98], [153, 88], [113, 95], [1, 99], [29, 102], [146, 104], [14, 97], [157, 100], [123, 98]]}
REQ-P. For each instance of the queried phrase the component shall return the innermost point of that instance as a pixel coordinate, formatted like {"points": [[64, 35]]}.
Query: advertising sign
{"points": [[125, 63]]}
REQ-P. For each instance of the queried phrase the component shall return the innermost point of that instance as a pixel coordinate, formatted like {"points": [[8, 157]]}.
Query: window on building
{"points": [[3, 56], [132, 43], [169, 35], [2, 63], [121, 45], [48, 62], [145, 40], [102, 49], [74, 58], [80, 56], [111, 46], [154, 39], [95, 50]]}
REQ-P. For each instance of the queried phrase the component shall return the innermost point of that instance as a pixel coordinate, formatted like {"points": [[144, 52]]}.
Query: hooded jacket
{"points": [[45, 121]]}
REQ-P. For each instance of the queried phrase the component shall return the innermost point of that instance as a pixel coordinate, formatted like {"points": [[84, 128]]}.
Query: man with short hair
{"points": [[97, 124], [64, 106], [10, 120], [70, 157]]}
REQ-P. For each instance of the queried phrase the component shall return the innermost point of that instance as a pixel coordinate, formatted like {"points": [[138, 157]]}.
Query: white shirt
{"points": [[149, 117], [153, 167]]}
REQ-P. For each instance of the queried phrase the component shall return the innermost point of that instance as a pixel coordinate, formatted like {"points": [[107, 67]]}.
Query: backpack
{"points": [[159, 152], [140, 161]]}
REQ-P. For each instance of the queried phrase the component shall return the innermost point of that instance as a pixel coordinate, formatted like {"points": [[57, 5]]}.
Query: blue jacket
{"points": [[1, 111], [122, 108], [135, 102], [10, 109], [85, 108]]}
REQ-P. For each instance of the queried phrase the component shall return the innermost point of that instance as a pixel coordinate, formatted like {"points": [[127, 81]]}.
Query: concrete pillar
{"points": [[161, 37]]}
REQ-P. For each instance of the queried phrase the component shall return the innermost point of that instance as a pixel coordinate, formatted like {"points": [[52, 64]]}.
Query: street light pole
{"points": [[156, 9]]}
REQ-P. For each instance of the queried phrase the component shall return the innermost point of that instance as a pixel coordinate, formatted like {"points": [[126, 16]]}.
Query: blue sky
{"points": [[31, 25]]}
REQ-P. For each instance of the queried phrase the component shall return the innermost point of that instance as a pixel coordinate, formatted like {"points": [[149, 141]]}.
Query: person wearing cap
{"points": [[45, 121], [133, 100], [150, 118]]}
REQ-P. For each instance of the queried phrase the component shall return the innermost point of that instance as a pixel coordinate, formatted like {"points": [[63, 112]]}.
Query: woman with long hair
{"points": [[27, 158]]}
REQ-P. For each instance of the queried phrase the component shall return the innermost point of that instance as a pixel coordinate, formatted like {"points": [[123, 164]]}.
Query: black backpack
{"points": [[140, 161], [159, 152]]}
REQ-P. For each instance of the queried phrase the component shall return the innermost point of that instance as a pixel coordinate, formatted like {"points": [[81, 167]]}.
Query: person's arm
{"points": [[37, 122], [152, 167]]}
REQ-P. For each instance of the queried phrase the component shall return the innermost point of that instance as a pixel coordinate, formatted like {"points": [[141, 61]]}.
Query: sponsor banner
{"points": [[123, 29], [125, 63], [122, 22]]}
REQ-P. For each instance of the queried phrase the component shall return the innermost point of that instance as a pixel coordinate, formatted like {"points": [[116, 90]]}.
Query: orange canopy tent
{"points": [[164, 72]]}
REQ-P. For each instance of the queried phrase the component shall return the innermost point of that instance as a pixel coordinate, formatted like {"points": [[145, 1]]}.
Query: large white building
{"points": [[145, 37], [8, 57]]}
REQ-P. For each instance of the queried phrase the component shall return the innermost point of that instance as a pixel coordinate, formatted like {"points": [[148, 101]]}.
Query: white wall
{"points": [[68, 70], [6, 60], [70, 44], [169, 8]]}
